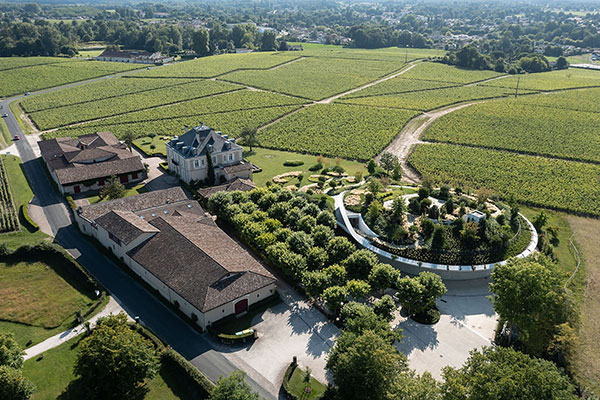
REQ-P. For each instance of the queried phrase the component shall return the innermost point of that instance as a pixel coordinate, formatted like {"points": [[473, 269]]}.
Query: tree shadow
{"points": [[77, 390], [416, 336]]}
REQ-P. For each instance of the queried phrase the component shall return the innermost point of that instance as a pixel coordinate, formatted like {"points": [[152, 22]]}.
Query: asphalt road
{"points": [[133, 297]]}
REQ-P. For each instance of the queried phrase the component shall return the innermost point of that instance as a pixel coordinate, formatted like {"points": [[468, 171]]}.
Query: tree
{"points": [[233, 388], [562, 63], [504, 373], [375, 186], [114, 361], [364, 366], [371, 166], [315, 282], [210, 173], [383, 276], [13, 385], [360, 263], [339, 248], [334, 296], [129, 137], [11, 353], [201, 42], [248, 135], [385, 307], [268, 41], [388, 161], [114, 189], [528, 294], [419, 294], [358, 288]]}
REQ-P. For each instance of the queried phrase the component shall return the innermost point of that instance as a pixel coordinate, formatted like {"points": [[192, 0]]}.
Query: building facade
{"points": [[187, 156]]}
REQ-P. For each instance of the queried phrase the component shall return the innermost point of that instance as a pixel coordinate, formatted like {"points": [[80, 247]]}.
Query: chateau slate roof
{"points": [[125, 225], [196, 140]]}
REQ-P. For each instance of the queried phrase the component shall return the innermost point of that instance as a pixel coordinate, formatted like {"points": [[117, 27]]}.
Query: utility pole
{"points": [[406, 56], [517, 88]]}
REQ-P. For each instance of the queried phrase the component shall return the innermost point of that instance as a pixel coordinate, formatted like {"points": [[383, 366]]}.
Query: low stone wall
{"points": [[414, 267]]}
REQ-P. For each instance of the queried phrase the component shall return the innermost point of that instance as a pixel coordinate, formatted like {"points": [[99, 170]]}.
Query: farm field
{"points": [[9, 220], [61, 116], [426, 100], [384, 54], [7, 63], [510, 124], [97, 91], [433, 71], [553, 80], [578, 100], [544, 182], [231, 123], [208, 67], [338, 130], [398, 85], [20, 80], [316, 78]]}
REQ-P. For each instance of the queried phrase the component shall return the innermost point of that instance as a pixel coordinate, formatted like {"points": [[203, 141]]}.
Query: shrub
{"points": [[316, 167], [293, 163], [300, 242], [27, 218]]}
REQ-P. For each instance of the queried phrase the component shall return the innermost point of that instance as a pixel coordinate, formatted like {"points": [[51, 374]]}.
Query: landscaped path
{"points": [[111, 308]]}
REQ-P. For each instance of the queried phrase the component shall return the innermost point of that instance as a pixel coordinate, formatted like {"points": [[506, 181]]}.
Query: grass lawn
{"points": [[53, 374], [271, 162], [297, 385], [130, 192], [90, 52], [586, 363], [144, 144]]}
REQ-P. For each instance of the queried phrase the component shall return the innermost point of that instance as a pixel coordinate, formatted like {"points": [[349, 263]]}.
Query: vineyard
{"points": [[20, 62], [577, 100], [230, 123], [208, 67], [9, 221], [315, 78], [433, 71], [551, 183], [516, 125], [341, 130], [426, 100], [61, 116], [398, 85], [19, 80], [554, 80], [97, 91], [384, 54]]}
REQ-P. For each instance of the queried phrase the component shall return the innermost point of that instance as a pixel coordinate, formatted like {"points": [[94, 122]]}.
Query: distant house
{"points": [[295, 48], [474, 216], [87, 162], [186, 155], [169, 242], [139, 57], [242, 50]]}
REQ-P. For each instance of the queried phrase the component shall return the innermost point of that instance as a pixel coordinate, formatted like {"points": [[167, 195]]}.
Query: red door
{"points": [[123, 178], [76, 189], [241, 306]]}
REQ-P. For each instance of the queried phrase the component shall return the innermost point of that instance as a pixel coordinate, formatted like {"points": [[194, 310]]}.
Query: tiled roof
{"points": [[237, 168], [137, 204], [189, 267], [125, 225], [195, 141], [93, 156], [240, 184]]}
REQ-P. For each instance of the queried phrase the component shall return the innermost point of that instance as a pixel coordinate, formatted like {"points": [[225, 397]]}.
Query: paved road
{"points": [[133, 297]]}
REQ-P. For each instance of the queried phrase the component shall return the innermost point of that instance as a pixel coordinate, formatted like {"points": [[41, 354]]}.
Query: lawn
{"points": [[34, 294], [130, 192], [145, 144], [271, 162], [297, 385], [53, 374]]}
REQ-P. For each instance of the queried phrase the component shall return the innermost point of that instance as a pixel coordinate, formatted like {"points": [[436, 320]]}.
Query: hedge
{"points": [[196, 381], [293, 163], [24, 212], [71, 202]]}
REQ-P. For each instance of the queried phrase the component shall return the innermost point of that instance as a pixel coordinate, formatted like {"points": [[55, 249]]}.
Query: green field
{"points": [[20, 80], [208, 67], [7, 63], [338, 130], [433, 71], [398, 85], [52, 375], [554, 80], [61, 116], [297, 386], [271, 162], [426, 100], [510, 124], [544, 182], [316, 78], [383, 54]]}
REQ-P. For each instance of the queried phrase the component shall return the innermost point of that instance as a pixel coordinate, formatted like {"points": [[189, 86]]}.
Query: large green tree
{"points": [[13, 385], [364, 366], [249, 137], [419, 294], [114, 361], [506, 374], [528, 294], [233, 388], [201, 41], [11, 353], [114, 189]]}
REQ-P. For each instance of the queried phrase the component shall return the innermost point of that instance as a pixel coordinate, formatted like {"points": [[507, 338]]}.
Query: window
{"points": [[231, 157], [114, 239], [196, 164], [101, 182], [134, 175], [214, 159]]}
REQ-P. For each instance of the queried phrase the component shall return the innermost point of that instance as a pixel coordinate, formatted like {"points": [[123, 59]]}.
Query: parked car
{"points": [[16, 137], [4, 115], [27, 93]]}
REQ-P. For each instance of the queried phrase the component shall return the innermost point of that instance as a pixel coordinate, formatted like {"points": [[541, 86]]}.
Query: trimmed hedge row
{"points": [[196, 381], [24, 212]]}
